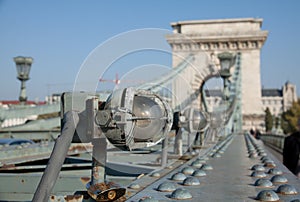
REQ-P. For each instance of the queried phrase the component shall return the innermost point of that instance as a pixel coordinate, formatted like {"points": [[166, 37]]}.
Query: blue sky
{"points": [[59, 35]]}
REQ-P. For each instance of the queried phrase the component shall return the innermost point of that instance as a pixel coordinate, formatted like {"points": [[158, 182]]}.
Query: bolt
{"points": [[263, 183], [199, 173], [178, 177], [258, 174], [181, 194], [267, 195], [166, 187], [206, 167], [279, 179], [286, 189], [191, 181], [155, 174], [187, 170], [134, 186]]}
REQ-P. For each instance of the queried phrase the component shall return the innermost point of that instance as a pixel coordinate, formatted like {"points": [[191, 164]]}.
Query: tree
{"points": [[290, 118], [268, 119], [277, 120]]}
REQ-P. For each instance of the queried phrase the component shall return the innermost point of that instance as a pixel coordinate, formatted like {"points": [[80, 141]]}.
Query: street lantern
{"points": [[226, 61], [23, 65]]}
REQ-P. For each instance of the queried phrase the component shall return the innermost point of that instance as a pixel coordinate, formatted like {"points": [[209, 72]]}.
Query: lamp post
{"points": [[23, 65], [226, 61]]}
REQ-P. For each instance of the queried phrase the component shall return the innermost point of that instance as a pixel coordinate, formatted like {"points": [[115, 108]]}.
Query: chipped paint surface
{"points": [[230, 179]]}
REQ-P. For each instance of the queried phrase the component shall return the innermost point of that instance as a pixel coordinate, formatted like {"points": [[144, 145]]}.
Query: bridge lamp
{"points": [[134, 119], [129, 119], [226, 61], [194, 120], [23, 65]]}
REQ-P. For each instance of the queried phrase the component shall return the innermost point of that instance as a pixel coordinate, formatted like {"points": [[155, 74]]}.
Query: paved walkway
{"points": [[230, 179]]}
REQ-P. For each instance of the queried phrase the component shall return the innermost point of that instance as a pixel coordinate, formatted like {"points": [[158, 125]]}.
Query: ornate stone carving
{"points": [[215, 36]]}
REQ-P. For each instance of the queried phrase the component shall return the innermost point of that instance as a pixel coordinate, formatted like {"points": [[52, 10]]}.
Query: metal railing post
{"points": [[57, 158]]}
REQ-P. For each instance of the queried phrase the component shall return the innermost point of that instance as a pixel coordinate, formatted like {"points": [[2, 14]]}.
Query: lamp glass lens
{"points": [[225, 64], [23, 70], [149, 114]]}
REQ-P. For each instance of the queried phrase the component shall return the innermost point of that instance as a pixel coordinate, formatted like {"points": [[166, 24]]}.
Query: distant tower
{"points": [[211, 37], [289, 95]]}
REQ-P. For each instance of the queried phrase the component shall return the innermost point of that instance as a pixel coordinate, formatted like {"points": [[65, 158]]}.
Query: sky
{"points": [[61, 35]]}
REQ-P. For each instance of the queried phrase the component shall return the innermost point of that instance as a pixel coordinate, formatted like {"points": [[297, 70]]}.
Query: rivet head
{"points": [[199, 173], [216, 155], [264, 158], [270, 164], [258, 167], [166, 187], [250, 148], [181, 194], [267, 195], [134, 186], [191, 181], [169, 167], [178, 177], [262, 153], [155, 174], [259, 149], [221, 151], [253, 155], [187, 170], [268, 161], [203, 158], [197, 163], [258, 174], [286, 189], [265, 183], [148, 199], [275, 171], [206, 167], [279, 179]]}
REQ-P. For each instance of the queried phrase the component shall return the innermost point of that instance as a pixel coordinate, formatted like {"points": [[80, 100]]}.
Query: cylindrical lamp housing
{"points": [[23, 65]]}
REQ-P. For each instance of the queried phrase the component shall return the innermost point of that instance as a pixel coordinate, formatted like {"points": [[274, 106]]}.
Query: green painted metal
{"points": [[25, 185], [156, 84], [26, 111], [31, 134], [16, 154], [37, 125]]}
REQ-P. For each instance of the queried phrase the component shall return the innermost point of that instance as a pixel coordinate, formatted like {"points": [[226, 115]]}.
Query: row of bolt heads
{"points": [[188, 175], [259, 171]]}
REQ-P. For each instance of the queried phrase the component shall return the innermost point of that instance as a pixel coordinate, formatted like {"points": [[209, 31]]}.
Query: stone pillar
{"points": [[207, 38]]}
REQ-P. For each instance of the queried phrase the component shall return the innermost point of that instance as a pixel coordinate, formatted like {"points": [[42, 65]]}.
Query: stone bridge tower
{"points": [[205, 39]]}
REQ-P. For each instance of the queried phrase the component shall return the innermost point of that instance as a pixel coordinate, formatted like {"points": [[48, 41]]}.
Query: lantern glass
{"points": [[23, 65]]}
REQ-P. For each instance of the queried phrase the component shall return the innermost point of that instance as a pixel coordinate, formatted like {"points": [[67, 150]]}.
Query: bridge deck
{"points": [[230, 179]]}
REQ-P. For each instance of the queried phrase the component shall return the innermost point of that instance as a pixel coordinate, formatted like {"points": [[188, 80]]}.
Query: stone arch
{"points": [[214, 36]]}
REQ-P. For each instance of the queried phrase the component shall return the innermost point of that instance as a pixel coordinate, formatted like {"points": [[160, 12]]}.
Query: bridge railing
{"points": [[274, 140]]}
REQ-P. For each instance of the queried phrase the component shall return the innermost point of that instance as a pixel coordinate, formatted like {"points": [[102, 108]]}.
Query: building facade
{"points": [[277, 100], [205, 39]]}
